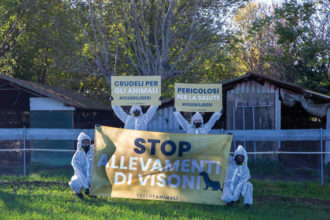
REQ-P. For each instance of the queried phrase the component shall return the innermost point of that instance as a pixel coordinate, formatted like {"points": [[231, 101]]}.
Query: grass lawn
{"points": [[41, 196]]}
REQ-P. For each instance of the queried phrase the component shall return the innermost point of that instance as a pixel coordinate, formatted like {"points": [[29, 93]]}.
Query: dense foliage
{"points": [[80, 44]]}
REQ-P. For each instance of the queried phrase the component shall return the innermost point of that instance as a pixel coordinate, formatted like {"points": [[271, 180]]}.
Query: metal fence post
{"points": [[234, 126], [24, 144], [321, 146], [243, 116], [254, 143]]}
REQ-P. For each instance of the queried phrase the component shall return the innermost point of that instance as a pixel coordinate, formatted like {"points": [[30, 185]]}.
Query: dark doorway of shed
{"points": [[296, 117]]}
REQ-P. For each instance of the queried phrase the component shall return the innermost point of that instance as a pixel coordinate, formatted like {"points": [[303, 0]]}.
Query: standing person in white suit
{"points": [[136, 120], [236, 181], [197, 125], [82, 163]]}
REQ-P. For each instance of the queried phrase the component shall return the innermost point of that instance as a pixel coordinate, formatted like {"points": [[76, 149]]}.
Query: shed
{"points": [[255, 101], [34, 105]]}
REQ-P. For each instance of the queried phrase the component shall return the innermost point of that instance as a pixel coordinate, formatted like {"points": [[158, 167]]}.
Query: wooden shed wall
{"points": [[251, 105], [251, 93], [163, 120]]}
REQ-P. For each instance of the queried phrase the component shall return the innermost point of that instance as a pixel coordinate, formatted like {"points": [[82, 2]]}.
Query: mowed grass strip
{"points": [[50, 198]]}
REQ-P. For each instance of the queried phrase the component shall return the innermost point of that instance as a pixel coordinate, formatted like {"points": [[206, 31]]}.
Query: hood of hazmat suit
{"points": [[236, 181], [82, 164], [241, 151], [197, 116], [139, 122], [134, 108], [190, 128]]}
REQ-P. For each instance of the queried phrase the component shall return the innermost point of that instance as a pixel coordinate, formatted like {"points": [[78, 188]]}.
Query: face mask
{"points": [[197, 124], [239, 160], [85, 145], [136, 113]]}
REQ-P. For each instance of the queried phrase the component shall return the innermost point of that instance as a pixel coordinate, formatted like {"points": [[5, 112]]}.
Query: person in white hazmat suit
{"points": [[236, 181], [82, 163], [197, 125], [136, 120]]}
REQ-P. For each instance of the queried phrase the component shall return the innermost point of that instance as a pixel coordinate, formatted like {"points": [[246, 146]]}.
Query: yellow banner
{"points": [[160, 166], [198, 97], [135, 90]]}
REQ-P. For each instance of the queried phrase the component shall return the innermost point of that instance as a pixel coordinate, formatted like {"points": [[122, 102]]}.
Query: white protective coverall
{"points": [[189, 127], [236, 181], [135, 122], [82, 164]]}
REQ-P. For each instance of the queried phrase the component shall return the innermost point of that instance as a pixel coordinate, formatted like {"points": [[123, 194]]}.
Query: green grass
{"points": [[46, 195]]}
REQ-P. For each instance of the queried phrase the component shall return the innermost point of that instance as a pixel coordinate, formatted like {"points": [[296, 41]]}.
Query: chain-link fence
{"points": [[48, 152]]}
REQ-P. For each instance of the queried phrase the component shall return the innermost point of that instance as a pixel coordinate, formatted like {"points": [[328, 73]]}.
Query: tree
{"points": [[257, 40], [37, 38], [11, 30], [149, 37], [302, 30], [288, 42], [80, 44], [97, 23], [50, 39], [168, 38]]}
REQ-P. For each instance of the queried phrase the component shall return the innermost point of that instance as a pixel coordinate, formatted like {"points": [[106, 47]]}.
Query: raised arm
{"points": [[120, 113], [208, 126], [151, 112], [181, 120]]}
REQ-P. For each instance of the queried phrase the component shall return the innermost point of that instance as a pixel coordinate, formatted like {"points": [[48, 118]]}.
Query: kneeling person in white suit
{"points": [[236, 181], [82, 163]]}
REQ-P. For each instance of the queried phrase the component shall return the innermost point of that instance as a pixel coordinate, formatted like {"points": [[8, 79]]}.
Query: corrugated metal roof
{"points": [[262, 79], [253, 87], [228, 85], [68, 97]]}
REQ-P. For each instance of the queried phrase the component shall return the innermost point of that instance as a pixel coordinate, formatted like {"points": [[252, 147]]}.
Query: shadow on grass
{"points": [[60, 201], [40, 170], [274, 170], [165, 208]]}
